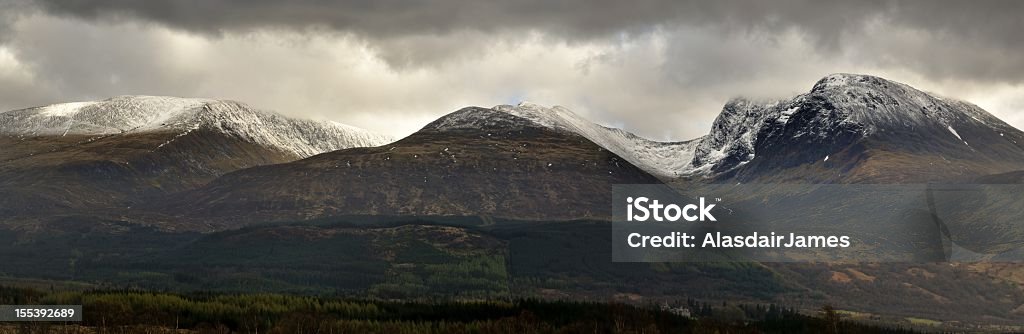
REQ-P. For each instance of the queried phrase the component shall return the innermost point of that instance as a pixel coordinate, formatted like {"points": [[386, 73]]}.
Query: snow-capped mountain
{"points": [[663, 159], [138, 114], [474, 161], [121, 151], [861, 128]]}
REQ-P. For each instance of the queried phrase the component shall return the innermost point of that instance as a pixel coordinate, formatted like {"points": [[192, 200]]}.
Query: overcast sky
{"points": [[662, 69]]}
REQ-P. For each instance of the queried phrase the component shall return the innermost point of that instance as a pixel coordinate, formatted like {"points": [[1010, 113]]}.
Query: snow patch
{"points": [[64, 109], [784, 117], [952, 130]]}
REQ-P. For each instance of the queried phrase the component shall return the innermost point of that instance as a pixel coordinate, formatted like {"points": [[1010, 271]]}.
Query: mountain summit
{"points": [[662, 159], [857, 128]]}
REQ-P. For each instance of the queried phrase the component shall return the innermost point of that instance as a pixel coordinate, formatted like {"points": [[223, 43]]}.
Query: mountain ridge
{"points": [[133, 114]]}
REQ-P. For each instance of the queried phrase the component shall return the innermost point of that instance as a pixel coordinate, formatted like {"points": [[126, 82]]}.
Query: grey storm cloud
{"points": [[988, 19], [981, 40]]}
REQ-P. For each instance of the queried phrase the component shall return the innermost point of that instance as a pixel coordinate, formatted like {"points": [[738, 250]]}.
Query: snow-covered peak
{"points": [[136, 114], [477, 118], [878, 102], [838, 80], [839, 105]]}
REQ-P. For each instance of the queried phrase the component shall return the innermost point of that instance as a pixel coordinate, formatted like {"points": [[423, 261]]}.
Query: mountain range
{"points": [[522, 161], [206, 194], [531, 162]]}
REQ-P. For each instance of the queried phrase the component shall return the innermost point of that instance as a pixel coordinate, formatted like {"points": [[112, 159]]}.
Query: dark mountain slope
{"points": [[475, 161]]}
